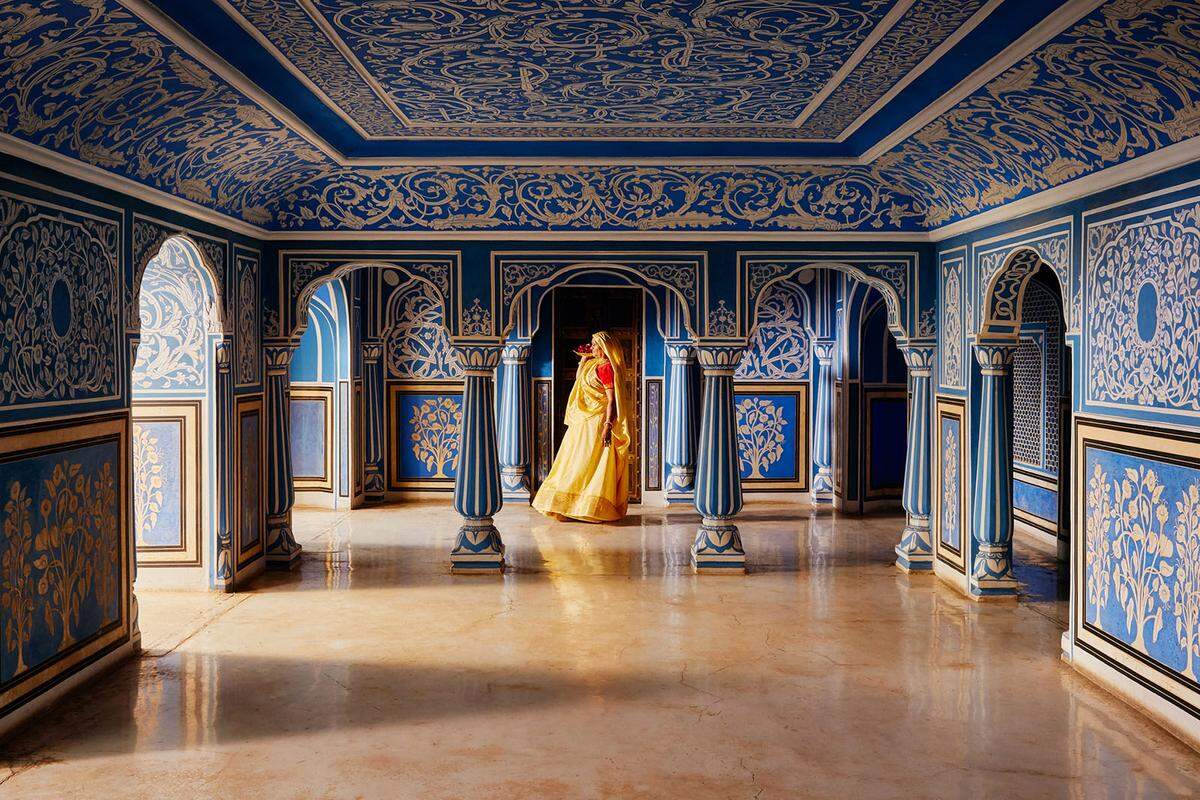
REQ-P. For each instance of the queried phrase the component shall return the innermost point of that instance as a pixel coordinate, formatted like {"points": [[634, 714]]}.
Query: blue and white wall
{"points": [[321, 418], [72, 258], [1126, 264]]}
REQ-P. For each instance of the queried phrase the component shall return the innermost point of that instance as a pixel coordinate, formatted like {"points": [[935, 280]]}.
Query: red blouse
{"points": [[605, 373]]}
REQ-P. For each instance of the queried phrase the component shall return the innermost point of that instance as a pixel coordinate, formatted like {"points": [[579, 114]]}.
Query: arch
{"points": [[1005, 293], [756, 362], [428, 353], [197, 258], [564, 276], [200, 304], [306, 290], [890, 295]]}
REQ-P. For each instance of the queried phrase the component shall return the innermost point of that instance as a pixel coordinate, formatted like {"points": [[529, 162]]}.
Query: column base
{"points": [[680, 486], [374, 489], [915, 552], [283, 553], [478, 550], [514, 484], [822, 488], [718, 549], [992, 576]]}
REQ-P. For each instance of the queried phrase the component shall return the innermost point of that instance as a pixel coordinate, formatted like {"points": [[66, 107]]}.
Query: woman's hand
{"points": [[607, 438]]}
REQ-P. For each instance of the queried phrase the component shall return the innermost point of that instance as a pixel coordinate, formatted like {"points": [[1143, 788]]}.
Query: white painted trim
{"points": [[586, 236], [183, 39], [73, 168], [920, 69], [864, 48], [1062, 18], [1145, 166]]}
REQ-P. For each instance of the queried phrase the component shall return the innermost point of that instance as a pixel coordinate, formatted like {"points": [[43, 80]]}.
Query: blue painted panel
{"points": [[767, 428], [1036, 500], [158, 473], [309, 438], [950, 522], [250, 480], [428, 426], [889, 423], [60, 547], [1142, 555]]}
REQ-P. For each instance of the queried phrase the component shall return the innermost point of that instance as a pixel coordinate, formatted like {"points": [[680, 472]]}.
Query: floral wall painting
{"points": [[63, 564], [1140, 590], [772, 435], [426, 420]]}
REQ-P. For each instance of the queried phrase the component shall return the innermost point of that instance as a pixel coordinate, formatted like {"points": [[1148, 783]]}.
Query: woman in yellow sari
{"points": [[589, 480]]}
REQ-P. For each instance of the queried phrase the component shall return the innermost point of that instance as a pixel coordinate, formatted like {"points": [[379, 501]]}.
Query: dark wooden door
{"points": [[578, 313]]}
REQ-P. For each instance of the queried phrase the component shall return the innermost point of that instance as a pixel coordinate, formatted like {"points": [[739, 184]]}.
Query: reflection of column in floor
{"points": [[822, 431], [991, 509], [915, 551], [478, 547], [718, 545], [679, 451], [514, 420]]}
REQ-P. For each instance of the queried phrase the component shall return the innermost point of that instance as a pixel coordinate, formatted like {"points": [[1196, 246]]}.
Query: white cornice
{"points": [[1170, 157], [886, 24], [1063, 17], [73, 168]]}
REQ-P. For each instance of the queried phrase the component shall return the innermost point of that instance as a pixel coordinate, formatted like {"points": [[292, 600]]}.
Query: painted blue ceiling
{"points": [[601, 79], [97, 82]]}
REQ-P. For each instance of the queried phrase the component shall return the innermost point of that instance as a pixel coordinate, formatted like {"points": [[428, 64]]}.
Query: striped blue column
{"points": [[679, 450], [282, 550], [718, 546], [514, 420], [915, 551], [374, 489], [822, 426], [222, 569], [991, 507], [478, 548]]}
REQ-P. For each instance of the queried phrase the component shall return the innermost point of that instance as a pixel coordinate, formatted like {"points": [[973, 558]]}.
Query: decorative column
{"points": [[282, 550], [718, 546], [679, 451], [478, 548], [915, 551], [373, 423], [822, 429], [991, 507], [222, 569], [515, 389]]}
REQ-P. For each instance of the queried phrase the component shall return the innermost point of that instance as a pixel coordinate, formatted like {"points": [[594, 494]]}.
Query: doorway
{"points": [[578, 313]]}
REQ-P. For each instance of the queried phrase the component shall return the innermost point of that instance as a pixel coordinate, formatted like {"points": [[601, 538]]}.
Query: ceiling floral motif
{"points": [[91, 80]]}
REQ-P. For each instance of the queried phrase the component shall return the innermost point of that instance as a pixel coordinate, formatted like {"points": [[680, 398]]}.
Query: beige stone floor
{"points": [[599, 666]]}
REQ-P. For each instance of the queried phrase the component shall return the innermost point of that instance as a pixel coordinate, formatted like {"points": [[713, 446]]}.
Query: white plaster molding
{"points": [[1062, 18]]}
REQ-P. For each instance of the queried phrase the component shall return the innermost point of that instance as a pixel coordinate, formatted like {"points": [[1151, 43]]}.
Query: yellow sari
{"points": [[589, 481]]}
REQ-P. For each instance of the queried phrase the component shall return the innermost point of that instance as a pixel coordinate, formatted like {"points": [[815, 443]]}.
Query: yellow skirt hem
{"points": [[585, 508]]}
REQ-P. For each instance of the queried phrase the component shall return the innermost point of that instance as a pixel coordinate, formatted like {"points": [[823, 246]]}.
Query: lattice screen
{"points": [[1037, 381]]}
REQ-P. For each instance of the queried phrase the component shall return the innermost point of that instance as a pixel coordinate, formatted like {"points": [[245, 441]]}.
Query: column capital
{"points": [[719, 359], [823, 351], [278, 354], [681, 351], [515, 352], [995, 356], [372, 352], [918, 356], [224, 355], [478, 358]]}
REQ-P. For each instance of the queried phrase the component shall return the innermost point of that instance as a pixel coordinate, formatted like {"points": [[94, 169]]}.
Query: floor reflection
{"points": [[599, 665]]}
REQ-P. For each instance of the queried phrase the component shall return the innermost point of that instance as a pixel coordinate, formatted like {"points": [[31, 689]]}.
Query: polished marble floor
{"points": [[597, 667]]}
